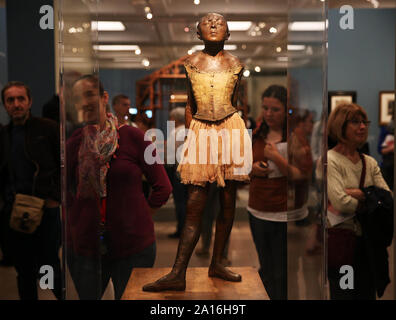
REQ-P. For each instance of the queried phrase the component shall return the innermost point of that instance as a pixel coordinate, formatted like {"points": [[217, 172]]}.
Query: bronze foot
{"points": [[169, 282], [219, 271]]}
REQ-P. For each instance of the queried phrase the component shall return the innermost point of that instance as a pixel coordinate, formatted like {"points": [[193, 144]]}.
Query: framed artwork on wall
{"points": [[338, 97], [386, 107]]}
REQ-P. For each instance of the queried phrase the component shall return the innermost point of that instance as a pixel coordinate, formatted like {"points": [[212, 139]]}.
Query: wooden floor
{"points": [[305, 272]]}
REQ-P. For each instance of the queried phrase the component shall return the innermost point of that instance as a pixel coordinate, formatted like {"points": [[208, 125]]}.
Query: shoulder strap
{"points": [[363, 175]]}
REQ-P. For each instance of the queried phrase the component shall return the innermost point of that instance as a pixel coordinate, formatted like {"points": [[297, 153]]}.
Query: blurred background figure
{"points": [[109, 227], [348, 172], [121, 105], [278, 188], [250, 122], [180, 190], [386, 147], [30, 165]]}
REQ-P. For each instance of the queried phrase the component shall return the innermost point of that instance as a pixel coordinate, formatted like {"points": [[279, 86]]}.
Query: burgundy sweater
{"points": [[128, 221]]}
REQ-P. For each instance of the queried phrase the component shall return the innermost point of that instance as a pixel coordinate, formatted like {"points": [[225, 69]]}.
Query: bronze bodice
{"points": [[213, 92]]}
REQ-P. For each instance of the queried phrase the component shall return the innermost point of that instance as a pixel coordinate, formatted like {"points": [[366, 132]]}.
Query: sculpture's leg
{"points": [[224, 223], [176, 279]]}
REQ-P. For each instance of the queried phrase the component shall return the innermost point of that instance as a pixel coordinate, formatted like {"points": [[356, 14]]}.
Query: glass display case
{"points": [[135, 54]]}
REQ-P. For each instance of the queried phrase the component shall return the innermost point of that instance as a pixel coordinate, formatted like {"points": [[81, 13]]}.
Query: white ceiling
{"points": [[163, 38]]}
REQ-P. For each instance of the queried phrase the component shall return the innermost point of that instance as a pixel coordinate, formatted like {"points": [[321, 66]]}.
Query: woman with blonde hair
{"points": [[348, 173]]}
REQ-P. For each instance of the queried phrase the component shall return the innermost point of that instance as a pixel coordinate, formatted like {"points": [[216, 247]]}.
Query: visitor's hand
{"points": [[270, 151], [356, 193], [259, 171], [388, 149]]}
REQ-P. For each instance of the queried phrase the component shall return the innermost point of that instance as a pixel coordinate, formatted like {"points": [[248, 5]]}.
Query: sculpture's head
{"points": [[213, 28]]}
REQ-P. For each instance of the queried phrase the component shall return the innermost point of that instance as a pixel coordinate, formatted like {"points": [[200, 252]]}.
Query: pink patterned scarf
{"points": [[97, 148]]}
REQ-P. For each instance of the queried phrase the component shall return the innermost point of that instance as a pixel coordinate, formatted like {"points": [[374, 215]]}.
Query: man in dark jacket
{"points": [[30, 164]]}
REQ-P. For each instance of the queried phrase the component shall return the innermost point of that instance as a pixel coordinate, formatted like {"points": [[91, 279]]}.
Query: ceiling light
{"points": [[246, 73], [74, 59], [108, 25], [110, 47], [283, 59], [273, 30], [295, 47], [147, 9], [239, 25], [126, 59], [138, 51], [200, 47], [197, 2], [257, 69], [149, 15], [307, 25], [278, 49], [145, 62]]}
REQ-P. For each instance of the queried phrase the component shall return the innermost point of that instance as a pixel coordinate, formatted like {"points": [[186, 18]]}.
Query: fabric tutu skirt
{"points": [[216, 152]]}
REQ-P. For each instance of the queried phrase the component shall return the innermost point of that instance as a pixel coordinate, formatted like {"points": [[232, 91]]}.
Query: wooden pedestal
{"points": [[199, 286]]}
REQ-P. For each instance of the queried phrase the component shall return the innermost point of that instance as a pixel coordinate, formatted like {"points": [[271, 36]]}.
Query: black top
{"points": [[22, 168]]}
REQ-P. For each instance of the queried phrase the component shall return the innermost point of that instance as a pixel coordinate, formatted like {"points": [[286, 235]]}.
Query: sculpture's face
{"points": [[213, 27]]}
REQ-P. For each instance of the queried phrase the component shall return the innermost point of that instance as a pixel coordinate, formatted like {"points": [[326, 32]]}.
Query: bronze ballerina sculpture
{"points": [[213, 77]]}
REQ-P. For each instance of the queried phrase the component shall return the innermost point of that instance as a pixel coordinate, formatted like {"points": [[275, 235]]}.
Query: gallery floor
{"points": [[305, 271]]}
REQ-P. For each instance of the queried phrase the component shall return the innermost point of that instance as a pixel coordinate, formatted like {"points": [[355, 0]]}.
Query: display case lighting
{"points": [[296, 47], [111, 47], [132, 111], [239, 25], [107, 26], [308, 25]]}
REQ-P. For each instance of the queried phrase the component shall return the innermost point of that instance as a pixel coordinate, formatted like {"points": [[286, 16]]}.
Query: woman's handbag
{"points": [[27, 212], [341, 242]]}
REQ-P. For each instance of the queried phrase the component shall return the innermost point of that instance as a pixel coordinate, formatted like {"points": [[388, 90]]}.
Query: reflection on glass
{"points": [[151, 75]]}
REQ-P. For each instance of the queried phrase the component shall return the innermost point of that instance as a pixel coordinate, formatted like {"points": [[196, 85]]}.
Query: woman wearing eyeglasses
{"points": [[348, 125]]}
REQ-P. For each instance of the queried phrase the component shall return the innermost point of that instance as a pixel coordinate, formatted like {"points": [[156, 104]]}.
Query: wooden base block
{"points": [[199, 286]]}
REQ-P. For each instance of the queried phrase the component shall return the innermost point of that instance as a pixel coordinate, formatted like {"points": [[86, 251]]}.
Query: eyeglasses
{"points": [[357, 123]]}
